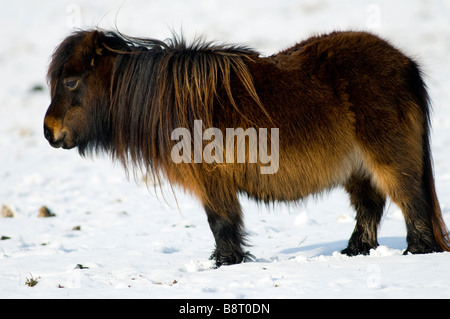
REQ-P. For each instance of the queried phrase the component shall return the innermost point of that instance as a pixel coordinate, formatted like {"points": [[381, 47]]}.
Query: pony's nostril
{"points": [[48, 134]]}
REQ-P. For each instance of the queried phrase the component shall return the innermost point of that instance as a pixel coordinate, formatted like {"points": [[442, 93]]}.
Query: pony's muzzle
{"points": [[56, 134], [55, 140]]}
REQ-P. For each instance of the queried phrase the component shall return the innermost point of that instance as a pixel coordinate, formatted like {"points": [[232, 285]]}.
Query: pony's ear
{"points": [[97, 46], [111, 43], [98, 38]]}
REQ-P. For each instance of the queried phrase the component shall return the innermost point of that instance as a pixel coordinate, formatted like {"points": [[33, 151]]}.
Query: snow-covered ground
{"points": [[133, 242]]}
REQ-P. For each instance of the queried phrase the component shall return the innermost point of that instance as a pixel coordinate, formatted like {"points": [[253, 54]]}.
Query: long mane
{"points": [[159, 86]]}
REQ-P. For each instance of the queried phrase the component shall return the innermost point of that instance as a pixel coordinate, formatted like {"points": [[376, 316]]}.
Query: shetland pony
{"points": [[351, 110]]}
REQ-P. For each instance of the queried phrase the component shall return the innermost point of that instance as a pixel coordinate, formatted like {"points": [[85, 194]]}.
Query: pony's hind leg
{"points": [[369, 204], [407, 192], [402, 180]]}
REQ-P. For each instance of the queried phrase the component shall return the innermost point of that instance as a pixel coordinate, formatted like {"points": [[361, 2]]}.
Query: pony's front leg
{"points": [[228, 229]]}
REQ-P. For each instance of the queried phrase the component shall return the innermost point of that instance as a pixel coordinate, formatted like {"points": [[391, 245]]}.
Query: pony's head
{"points": [[80, 78]]}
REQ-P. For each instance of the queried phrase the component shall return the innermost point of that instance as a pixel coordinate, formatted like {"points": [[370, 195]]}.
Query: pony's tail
{"points": [[439, 228]]}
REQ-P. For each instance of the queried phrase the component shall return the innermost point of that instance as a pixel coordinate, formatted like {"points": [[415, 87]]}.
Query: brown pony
{"points": [[351, 110]]}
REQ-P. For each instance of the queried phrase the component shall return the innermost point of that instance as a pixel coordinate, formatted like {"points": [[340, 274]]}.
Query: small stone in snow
{"points": [[45, 212], [6, 211]]}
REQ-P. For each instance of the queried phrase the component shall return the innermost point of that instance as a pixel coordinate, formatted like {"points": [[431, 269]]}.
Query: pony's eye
{"points": [[71, 84]]}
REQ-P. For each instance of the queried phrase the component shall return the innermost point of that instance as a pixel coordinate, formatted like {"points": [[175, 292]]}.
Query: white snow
{"points": [[137, 243]]}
